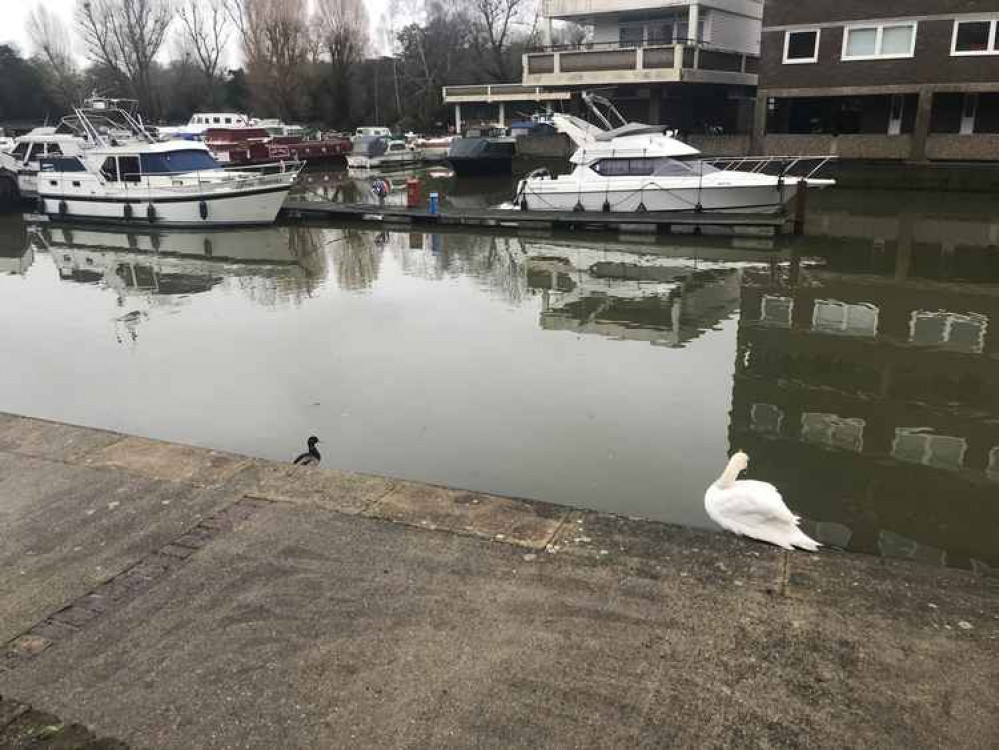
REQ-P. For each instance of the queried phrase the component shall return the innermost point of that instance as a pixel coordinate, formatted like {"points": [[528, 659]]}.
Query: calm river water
{"points": [[857, 366]]}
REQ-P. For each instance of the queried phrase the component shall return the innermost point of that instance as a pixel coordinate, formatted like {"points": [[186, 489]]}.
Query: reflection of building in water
{"points": [[661, 299], [869, 397]]}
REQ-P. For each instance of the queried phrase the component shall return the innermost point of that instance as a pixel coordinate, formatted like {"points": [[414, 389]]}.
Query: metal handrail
{"points": [[759, 164], [285, 168], [603, 46]]}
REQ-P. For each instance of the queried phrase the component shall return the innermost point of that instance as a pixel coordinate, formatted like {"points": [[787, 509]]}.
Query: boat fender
{"points": [[203, 209], [151, 213], [578, 207], [63, 208], [209, 250], [606, 207], [523, 203], [128, 211]]}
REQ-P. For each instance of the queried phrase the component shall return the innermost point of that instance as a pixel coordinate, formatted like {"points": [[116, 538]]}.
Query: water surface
{"points": [[855, 366]]}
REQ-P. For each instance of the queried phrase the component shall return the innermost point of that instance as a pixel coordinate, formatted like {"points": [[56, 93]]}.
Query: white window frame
{"points": [[802, 61], [993, 37], [949, 319], [879, 28]]}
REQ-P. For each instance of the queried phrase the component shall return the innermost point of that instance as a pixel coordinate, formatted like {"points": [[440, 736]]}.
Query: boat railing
{"points": [[194, 178], [797, 167]]}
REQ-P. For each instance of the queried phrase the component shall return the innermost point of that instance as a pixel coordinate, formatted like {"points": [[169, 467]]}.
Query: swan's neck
{"points": [[731, 473]]}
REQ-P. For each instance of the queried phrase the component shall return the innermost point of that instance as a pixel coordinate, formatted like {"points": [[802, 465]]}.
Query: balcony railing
{"points": [[677, 60]]}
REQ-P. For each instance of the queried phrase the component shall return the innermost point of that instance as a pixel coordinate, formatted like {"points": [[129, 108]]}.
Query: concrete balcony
{"points": [[576, 9], [501, 92], [596, 64]]}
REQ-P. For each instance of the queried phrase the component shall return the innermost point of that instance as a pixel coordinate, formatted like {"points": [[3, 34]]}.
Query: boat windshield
{"points": [[172, 162]]}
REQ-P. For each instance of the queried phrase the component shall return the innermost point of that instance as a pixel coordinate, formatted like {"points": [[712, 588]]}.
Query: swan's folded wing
{"points": [[755, 504]]}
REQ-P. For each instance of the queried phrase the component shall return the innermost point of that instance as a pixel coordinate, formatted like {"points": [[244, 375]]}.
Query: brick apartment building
{"points": [[911, 80]]}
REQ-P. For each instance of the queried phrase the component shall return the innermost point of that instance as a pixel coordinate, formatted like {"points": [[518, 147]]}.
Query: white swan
{"points": [[755, 509]]}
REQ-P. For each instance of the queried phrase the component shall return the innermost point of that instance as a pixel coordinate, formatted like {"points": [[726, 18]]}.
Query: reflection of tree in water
{"points": [[358, 258], [495, 262], [290, 283]]}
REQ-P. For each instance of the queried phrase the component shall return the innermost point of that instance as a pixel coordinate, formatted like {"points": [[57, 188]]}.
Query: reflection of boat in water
{"points": [[268, 263], [664, 300], [261, 245]]}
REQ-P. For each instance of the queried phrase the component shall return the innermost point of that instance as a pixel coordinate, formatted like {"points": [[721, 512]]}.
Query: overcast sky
{"points": [[15, 17]]}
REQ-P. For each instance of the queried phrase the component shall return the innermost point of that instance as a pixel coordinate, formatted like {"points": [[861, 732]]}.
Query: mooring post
{"points": [[800, 207]]}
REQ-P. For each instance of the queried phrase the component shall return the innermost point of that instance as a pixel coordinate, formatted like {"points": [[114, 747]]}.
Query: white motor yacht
{"points": [[22, 159], [635, 167], [176, 183], [379, 152]]}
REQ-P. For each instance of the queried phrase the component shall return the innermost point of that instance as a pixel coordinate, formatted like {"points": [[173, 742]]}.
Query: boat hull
{"points": [[245, 208], [389, 161], [482, 165], [761, 199]]}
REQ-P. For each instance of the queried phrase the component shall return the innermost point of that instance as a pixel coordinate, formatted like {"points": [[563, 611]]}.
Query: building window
{"points": [[975, 38], [801, 46], [833, 431], [833, 316], [946, 329], [884, 42], [631, 36], [776, 310], [766, 419], [921, 446]]}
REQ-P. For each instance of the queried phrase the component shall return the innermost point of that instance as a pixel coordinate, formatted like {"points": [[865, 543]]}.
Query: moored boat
{"points": [[635, 167], [176, 183], [379, 152], [490, 153]]}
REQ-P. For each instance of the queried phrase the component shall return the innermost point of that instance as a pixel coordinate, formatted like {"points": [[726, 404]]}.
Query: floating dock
{"points": [[688, 222]]}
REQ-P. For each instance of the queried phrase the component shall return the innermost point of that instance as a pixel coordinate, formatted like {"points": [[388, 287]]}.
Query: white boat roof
{"points": [[159, 147], [634, 140], [647, 146], [46, 133]]}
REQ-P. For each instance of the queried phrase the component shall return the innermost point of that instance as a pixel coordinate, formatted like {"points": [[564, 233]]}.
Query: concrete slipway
{"points": [[177, 597]]}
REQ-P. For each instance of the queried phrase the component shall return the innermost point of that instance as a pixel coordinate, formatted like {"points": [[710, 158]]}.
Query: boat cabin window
{"points": [[20, 149], [659, 166], [216, 120], [109, 169], [173, 162], [53, 149], [61, 164], [128, 167]]}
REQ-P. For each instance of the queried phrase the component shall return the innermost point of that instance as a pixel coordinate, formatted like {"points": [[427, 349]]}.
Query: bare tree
{"points": [[205, 27], [125, 36], [343, 31], [494, 26], [51, 42], [275, 42]]}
